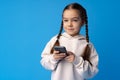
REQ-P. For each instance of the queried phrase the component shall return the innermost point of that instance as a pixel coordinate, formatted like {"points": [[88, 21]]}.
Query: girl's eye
{"points": [[75, 20]]}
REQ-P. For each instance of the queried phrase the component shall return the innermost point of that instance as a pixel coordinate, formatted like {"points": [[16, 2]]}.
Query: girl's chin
{"points": [[72, 34]]}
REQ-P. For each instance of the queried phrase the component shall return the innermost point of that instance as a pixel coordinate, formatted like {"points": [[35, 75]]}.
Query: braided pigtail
{"points": [[86, 54], [86, 28], [58, 37], [61, 28]]}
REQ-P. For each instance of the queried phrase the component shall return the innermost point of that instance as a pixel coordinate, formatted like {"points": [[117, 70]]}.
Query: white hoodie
{"points": [[78, 70]]}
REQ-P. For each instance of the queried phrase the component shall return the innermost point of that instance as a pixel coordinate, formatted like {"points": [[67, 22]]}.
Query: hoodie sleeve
{"points": [[85, 68], [47, 60]]}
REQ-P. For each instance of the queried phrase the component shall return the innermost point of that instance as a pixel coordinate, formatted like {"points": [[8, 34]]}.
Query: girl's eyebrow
{"points": [[72, 18]]}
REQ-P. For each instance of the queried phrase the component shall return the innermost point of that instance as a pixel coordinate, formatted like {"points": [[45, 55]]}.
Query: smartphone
{"points": [[61, 49]]}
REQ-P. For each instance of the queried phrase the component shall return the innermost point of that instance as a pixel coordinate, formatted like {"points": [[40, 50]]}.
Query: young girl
{"points": [[81, 62]]}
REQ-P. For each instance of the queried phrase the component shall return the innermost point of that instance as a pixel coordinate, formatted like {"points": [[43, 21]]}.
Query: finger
{"points": [[69, 52], [67, 57], [59, 57], [56, 52], [62, 54]]}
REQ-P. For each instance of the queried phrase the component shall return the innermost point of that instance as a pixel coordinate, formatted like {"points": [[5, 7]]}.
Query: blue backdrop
{"points": [[27, 25]]}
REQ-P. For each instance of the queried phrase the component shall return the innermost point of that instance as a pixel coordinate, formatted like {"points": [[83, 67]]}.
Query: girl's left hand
{"points": [[70, 57]]}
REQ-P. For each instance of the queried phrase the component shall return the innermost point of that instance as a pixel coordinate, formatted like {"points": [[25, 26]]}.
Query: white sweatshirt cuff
{"points": [[78, 61]]}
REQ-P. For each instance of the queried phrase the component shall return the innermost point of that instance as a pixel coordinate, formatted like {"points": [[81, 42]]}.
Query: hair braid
{"points": [[61, 28], [86, 28], [58, 37]]}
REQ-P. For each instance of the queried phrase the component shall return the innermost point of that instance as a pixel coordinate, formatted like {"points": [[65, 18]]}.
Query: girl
{"points": [[81, 62]]}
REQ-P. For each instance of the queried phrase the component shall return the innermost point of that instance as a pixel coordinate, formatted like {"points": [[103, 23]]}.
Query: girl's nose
{"points": [[70, 23]]}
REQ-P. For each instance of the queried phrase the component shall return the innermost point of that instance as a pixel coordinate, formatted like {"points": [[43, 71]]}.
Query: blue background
{"points": [[27, 25]]}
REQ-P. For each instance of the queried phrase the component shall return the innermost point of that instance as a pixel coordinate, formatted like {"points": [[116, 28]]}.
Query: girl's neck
{"points": [[72, 35]]}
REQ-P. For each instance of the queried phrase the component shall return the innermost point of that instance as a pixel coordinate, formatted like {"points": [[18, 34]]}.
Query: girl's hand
{"points": [[70, 57], [58, 56]]}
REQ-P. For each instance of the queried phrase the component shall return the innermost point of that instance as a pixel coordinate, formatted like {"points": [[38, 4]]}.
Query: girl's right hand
{"points": [[58, 56]]}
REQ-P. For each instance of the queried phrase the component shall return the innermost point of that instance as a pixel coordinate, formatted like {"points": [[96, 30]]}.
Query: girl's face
{"points": [[72, 21]]}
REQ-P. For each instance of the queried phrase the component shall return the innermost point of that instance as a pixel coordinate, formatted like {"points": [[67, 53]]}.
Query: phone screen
{"points": [[62, 49]]}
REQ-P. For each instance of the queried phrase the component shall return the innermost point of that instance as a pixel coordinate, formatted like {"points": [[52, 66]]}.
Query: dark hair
{"points": [[83, 16]]}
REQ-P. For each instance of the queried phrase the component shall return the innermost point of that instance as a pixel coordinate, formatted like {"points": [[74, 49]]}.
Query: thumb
{"points": [[69, 52]]}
